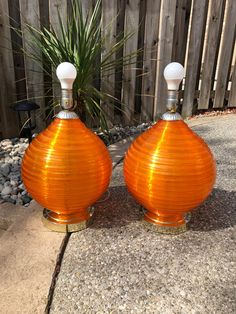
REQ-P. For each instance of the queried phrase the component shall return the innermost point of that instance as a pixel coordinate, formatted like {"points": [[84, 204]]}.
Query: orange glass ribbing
{"points": [[66, 169], [170, 170]]}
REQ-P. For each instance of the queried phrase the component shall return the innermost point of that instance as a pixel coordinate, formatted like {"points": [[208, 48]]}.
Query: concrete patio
{"points": [[121, 264]]}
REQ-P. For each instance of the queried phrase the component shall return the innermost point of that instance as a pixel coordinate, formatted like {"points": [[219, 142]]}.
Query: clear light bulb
{"points": [[66, 73], [173, 73]]}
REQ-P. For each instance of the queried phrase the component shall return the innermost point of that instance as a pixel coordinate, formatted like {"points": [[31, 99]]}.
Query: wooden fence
{"points": [[200, 34]]}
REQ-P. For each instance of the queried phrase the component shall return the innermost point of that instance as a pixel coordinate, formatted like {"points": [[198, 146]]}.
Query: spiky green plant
{"points": [[80, 42]]}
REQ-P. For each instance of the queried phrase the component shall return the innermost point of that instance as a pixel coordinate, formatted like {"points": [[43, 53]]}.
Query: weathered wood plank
{"points": [[18, 57], [34, 74], [8, 119], [214, 28], [120, 21], [139, 71], [167, 22], [56, 6], [232, 93], [129, 71], [199, 68], [109, 13], [182, 16], [197, 93], [87, 6], [47, 75], [194, 52], [149, 58], [87, 9], [226, 51]]}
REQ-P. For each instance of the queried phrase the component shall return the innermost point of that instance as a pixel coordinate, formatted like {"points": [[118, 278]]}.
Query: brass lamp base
{"points": [[166, 229], [167, 226], [65, 227]]}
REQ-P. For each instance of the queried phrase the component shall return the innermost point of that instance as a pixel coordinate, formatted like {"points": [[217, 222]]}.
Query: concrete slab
{"points": [[121, 265], [28, 253]]}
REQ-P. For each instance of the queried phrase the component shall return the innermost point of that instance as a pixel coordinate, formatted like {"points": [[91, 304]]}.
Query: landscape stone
{"points": [[14, 190], [6, 191], [21, 186], [6, 142], [15, 167], [5, 169], [9, 199], [14, 175], [26, 199], [19, 201], [13, 183]]}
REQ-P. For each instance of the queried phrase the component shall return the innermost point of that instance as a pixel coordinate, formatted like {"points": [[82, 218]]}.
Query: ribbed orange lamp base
{"points": [[170, 171], [66, 169]]}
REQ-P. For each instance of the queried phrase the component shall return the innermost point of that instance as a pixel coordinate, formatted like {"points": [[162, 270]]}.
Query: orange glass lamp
{"points": [[67, 167], [169, 169]]}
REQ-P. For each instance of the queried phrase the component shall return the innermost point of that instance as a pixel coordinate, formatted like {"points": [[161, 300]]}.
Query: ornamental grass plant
{"points": [[80, 40]]}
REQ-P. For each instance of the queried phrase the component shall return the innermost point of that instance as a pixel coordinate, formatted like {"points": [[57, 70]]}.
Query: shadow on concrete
{"points": [[116, 210], [120, 209], [217, 212]]}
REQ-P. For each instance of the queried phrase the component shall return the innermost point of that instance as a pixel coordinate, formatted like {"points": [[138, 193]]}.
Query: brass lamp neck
{"points": [[67, 99], [172, 100], [67, 105], [171, 104]]}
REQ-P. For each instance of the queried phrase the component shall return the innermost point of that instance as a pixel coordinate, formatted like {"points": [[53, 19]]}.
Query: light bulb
{"points": [[66, 73], [173, 73]]}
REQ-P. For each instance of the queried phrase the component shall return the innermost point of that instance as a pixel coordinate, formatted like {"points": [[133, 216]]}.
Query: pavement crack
{"points": [[118, 162], [56, 272]]}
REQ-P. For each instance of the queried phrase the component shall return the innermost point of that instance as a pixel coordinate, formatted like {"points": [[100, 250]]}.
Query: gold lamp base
{"points": [[166, 229], [175, 225], [65, 227]]}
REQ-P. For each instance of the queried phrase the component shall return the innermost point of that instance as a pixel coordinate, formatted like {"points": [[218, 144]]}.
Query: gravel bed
{"points": [[11, 187]]}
